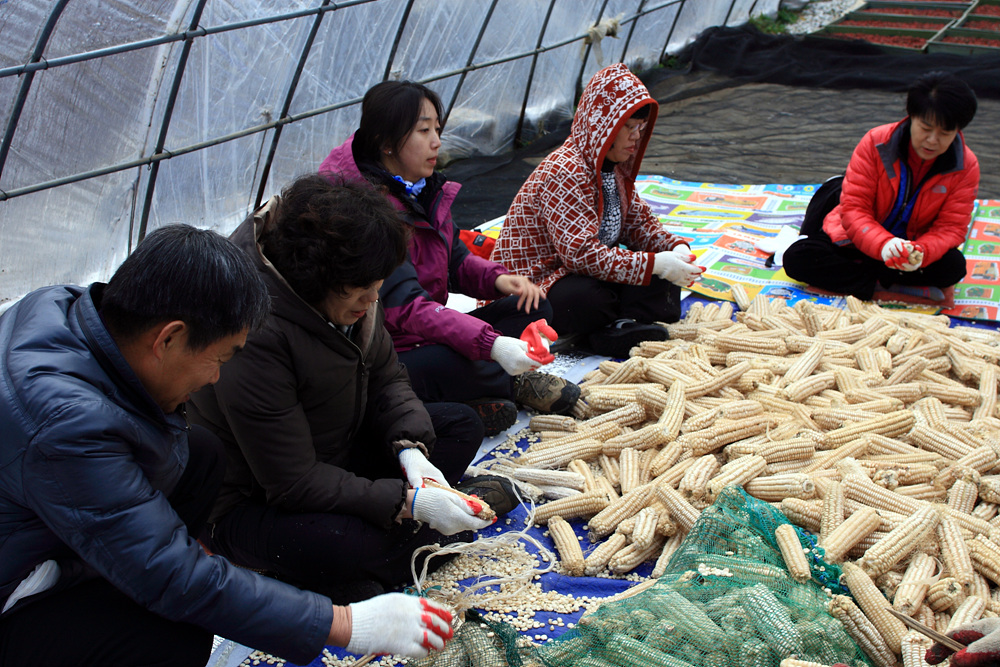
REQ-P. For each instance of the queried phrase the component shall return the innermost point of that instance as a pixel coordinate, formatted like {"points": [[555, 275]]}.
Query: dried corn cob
{"points": [[833, 510], [583, 505], [916, 581], [914, 648], [862, 630], [548, 477], [681, 510], [985, 556], [670, 547], [558, 457], [552, 423], [852, 531], [604, 522], [486, 513], [804, 513], [890, 425], [737, 473], [629, 474], [598, 559], [944, 594], [791, 552], [955, 552], [901, 542], [775, 488], [567, 545], [640, 439], [632, 555], [971, 609], [874, 605], [694, 484]]}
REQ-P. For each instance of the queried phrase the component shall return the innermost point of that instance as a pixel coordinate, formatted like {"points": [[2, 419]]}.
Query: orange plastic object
{"points": [[533, 335]]}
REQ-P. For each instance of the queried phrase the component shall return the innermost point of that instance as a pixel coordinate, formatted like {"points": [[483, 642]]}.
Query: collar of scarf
{"points": [[412, 189]]}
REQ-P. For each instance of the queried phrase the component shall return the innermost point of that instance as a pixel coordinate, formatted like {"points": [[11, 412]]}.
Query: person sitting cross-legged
{"points": [[904, 204]]}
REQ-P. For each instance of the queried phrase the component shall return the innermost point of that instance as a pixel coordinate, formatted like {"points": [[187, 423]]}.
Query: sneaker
{"points": [[497, 492], [617, 339], [497, 414], [545, 392]]}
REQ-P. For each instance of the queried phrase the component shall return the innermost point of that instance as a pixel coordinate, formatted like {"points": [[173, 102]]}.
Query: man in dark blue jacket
{"points": [[103, 485]]}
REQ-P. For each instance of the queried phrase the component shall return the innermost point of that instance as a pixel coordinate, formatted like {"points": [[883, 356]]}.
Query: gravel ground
{"points": [[820, 13]]}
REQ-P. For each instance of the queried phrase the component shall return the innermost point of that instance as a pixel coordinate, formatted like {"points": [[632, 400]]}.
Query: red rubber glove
{"points": [[539, 335], [982, 639]]}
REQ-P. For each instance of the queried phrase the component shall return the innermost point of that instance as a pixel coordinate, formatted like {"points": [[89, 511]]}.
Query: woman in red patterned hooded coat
{"points": [[580, 231]]}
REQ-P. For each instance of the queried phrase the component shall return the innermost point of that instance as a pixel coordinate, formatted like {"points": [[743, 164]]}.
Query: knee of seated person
{"points": [[180, 644]]}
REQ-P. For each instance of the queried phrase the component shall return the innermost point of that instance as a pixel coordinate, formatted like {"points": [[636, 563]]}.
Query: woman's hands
{"points": [[528, 293]]}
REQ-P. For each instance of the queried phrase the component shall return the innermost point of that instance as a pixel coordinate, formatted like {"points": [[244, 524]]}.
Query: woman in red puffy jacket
{"points": [[905, 204]]}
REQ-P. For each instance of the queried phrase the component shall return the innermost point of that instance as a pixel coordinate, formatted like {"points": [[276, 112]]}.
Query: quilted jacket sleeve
{"points": [[857, 199], [410, 310], [951, 222], [82, 480]]}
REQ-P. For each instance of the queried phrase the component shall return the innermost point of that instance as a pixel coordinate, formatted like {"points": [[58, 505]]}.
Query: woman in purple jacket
{"points": [[475, 358]]}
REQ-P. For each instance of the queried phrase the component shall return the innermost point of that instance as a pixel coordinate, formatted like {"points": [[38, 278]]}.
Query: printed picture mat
{"points": [[726, 222]]}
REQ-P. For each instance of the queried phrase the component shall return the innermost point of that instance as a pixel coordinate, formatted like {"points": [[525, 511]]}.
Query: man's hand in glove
{"points": [[446, 512], [982, 639], [676, 268], [399, 624], [512, 354], [417, 468]]}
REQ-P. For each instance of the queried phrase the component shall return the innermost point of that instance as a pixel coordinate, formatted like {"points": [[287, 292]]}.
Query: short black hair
{"points": [[331, 235], [942, 98], [389, 111], [179, 272]]}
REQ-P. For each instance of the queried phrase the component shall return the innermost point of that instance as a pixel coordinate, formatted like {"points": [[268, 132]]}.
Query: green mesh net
{"points": [[726, 600]]}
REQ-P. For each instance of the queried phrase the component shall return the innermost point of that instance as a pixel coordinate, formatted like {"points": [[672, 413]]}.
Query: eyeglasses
{"points": [[635, 129]]}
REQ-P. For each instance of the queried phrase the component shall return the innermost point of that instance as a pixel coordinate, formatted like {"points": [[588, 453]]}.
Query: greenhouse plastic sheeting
{"points": [[119, 117]]}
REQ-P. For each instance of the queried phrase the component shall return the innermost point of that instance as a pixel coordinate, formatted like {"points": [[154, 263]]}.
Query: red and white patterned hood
{"points": [[610, 98]]}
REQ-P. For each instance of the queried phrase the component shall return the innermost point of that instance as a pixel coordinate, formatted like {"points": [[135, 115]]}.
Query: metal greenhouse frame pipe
{"points": [[168, 112], [289, 95], [631, 29], [22, 92], [732, 4], [531, 73], [61, 61], [670, 34], [184, 150], [395, 43], [468, 63]]}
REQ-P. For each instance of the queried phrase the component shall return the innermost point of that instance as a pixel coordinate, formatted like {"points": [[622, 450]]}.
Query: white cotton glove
{"points": [[399, 624], [894, 253], [446, 512], [676, 268], [417, 468], [512, 354], [683, 250]]}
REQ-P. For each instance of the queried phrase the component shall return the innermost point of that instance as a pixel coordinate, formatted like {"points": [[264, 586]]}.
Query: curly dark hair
{"points": [[332, 235]]}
